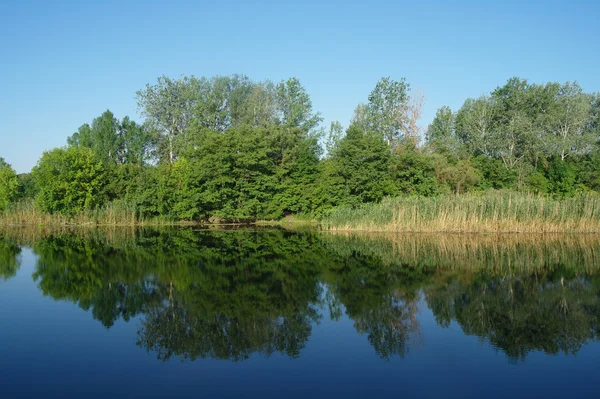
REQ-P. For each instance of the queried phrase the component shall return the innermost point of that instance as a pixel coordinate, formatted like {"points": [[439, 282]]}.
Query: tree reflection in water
{"points": [[9, 257], [232, 294]]}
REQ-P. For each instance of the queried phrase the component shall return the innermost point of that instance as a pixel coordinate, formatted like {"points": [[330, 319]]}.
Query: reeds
{"points": [[116, 213], [491, 212]]}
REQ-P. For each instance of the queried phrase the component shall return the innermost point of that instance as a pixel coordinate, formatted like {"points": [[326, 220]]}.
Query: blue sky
{"points": [[65, 62]]}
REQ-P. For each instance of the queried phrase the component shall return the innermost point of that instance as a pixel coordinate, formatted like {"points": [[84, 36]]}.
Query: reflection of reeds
{"points": [[117, 237], [494, 253], [490, 212]]}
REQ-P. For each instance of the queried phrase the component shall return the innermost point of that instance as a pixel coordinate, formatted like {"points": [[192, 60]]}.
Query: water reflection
{"points": [[9, 257], [231, 294], [552, 312]]}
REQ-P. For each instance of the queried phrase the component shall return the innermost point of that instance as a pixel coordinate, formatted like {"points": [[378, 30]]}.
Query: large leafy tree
{"points": [[248, 172], [474, 125], [219, 101], [69, 180], [9, 184], [362, 161], [168, 107], [386, 109], [114, 141], [135, 143], [570, 122], [295, 106], [102, 137], [255, 105], [441, 133]]}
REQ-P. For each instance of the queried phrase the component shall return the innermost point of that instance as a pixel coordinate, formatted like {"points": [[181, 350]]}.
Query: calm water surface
{"points": [[146, 313]]}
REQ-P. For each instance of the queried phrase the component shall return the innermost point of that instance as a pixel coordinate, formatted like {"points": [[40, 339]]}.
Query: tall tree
{"points": [[168, 107], [360, 118], [219, 100], [135, 143], [295, 106], [363, 161], [9, 184], [258, 108], [570, 121], [474, 125], [335, 134], [114, 141], [386, 109], [441, 133], [514, 130], [101, 137], [70, 180]]}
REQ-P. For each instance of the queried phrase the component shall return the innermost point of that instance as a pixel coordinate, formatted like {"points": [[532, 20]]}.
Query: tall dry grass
{"points": [[491, 212], [117, 213]]}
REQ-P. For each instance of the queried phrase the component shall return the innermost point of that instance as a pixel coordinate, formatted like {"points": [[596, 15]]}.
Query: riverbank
{"points": [[490, 212]]}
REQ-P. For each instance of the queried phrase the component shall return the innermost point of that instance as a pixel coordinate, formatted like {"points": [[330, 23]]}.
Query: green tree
{"points": [[335, 134], [135, 143], [255, 105], [413, 172], [250, 172], [386, 109], [168, 107], [441, 133], [295, 106], [27, 186], [495, 174], [562, 178], [69, 180], [514, 139], [474, 125], [455, 175], [9, 184], [220, 101], [570, 122], [102, 137], [363, 161]]}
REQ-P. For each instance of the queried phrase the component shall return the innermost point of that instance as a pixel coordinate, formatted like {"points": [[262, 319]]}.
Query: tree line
{"points": [[230, 147]]}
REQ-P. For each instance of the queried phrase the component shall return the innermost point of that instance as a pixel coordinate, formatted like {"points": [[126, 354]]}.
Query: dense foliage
{"points": [[9, 184], [229, 147]]}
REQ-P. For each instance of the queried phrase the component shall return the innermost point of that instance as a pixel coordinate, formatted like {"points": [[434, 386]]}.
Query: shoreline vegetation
{"points": [[227, 150], [488, 212]]}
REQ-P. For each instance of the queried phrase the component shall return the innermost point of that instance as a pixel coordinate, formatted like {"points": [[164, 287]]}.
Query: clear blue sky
{"points": [[65, 62]]}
